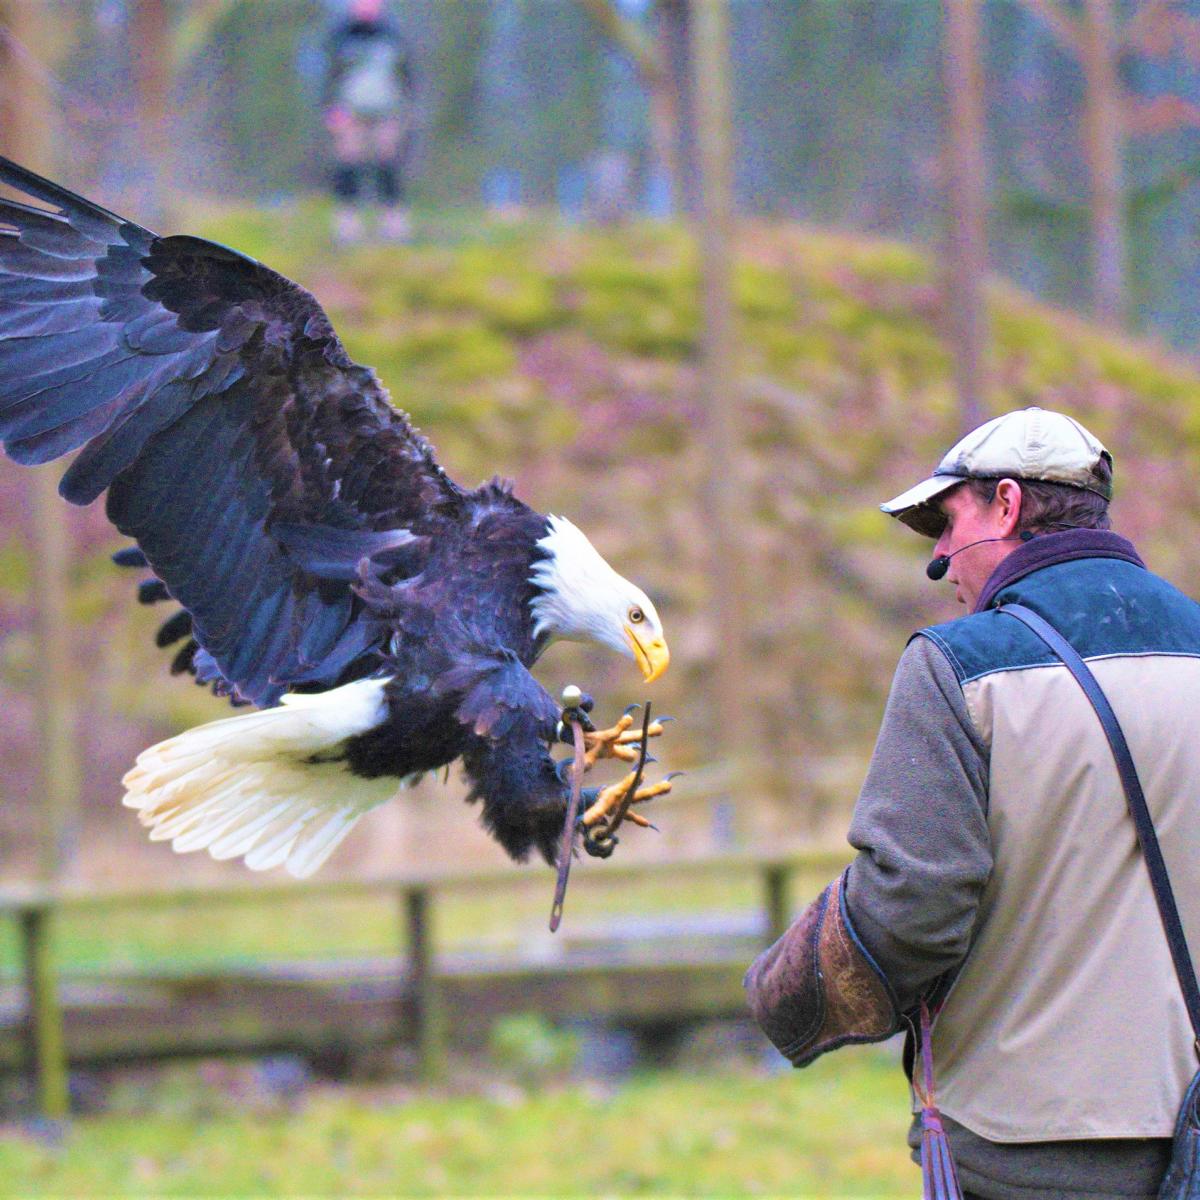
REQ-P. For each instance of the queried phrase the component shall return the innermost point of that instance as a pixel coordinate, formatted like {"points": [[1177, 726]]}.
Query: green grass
{"points": [[836, 1129]]}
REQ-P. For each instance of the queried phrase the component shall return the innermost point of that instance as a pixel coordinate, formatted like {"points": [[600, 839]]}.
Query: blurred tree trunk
{"points": [[731, 705], [965, 138], [1103, 134], [1093, 41], [674, 40], [27, 135], [665, 97], [152, 55], [654, 69]]}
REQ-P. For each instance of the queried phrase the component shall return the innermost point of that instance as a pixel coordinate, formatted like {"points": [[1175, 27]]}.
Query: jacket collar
{"points": [[1049, 548]]}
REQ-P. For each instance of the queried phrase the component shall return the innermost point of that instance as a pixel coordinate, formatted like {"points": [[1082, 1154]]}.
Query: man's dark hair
{"points": [[1044, 506]]}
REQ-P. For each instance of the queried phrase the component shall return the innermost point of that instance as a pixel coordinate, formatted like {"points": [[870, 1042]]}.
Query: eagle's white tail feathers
{"points": [[255, 786]]}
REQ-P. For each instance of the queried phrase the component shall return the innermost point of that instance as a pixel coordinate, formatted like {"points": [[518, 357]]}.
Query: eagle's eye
{"points": [[636, 616]]}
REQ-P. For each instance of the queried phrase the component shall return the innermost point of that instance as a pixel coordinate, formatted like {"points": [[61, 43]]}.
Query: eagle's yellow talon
{"points": [[619, 741], [635, 735], [638, 819], [608, 799], [608, 803], [649, 791]]}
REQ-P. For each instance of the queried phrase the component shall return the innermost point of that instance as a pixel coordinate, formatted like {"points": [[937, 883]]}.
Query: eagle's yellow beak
{"points": [[652, 656]]}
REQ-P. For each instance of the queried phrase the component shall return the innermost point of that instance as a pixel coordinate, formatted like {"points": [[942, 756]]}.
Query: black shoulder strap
{"points": [[1137, 803]]}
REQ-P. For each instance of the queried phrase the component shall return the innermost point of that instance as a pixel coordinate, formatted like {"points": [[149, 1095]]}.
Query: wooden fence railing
{"points": [[35, 910]]}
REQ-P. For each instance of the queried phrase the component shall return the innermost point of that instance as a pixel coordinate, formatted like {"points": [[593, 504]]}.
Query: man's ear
{"points": [[1007, 506]]}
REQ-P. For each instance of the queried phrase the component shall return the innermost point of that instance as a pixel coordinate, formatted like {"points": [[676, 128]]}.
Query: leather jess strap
{"points": [[1147, 838]]}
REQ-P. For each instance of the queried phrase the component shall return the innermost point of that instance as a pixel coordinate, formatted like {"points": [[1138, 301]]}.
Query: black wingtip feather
{"points": [[130, 556], [71, 203], [182, 662], [174, 628], [151, 591]]}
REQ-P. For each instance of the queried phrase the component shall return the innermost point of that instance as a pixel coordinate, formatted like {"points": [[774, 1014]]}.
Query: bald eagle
{"points": [[382, 619]]}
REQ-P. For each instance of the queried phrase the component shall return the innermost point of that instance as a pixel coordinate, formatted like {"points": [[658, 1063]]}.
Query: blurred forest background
{"points": [[942, 212], [838, 115], [713, 278]]}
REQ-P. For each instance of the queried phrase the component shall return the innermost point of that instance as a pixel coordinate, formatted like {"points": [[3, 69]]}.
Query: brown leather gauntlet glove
{"points": [[818, 988]]}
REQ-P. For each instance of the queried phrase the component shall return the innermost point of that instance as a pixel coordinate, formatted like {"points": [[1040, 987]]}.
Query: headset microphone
{"points": [[939, 566]]}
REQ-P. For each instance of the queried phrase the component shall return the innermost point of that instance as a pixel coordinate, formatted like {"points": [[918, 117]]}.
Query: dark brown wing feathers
{"points": [[214, 401]]}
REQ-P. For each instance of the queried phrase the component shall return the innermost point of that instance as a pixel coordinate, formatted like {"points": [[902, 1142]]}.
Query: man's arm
{"points": [[902, 914], [920, 827]]}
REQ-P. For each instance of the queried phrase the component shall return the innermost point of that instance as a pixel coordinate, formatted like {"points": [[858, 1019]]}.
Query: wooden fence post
{"points": [[47, 1049], [776, 877], [428, 1023]]}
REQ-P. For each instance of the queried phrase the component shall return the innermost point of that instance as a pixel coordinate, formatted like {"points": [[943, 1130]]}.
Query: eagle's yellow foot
{"points": [[611, 807], [620, 741]]}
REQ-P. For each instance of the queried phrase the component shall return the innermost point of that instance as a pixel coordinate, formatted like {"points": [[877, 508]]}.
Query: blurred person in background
{"points": [[998, 879], [368, 105]]}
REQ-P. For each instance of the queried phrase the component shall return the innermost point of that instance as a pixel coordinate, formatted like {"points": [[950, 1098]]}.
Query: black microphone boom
{"points": [[939, 566]]}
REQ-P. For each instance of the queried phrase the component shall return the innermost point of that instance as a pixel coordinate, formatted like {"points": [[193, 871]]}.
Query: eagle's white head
{"points": [[580, 598]]}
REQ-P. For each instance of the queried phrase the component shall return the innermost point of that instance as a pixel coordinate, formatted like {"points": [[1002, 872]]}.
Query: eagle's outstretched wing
{"points": [[253, 462]]}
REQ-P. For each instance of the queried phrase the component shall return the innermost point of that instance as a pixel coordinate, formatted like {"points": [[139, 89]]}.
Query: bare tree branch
{"points": [[1146, 22], [1160, 114], [196, 29], [1061, 24], [630, 38]]}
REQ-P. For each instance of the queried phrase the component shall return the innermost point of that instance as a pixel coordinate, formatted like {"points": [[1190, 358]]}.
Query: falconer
{"points": [[998, 877]]}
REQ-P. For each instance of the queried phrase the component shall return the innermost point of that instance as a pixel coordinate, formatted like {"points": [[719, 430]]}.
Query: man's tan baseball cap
{"points": [[1031, 443]]}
